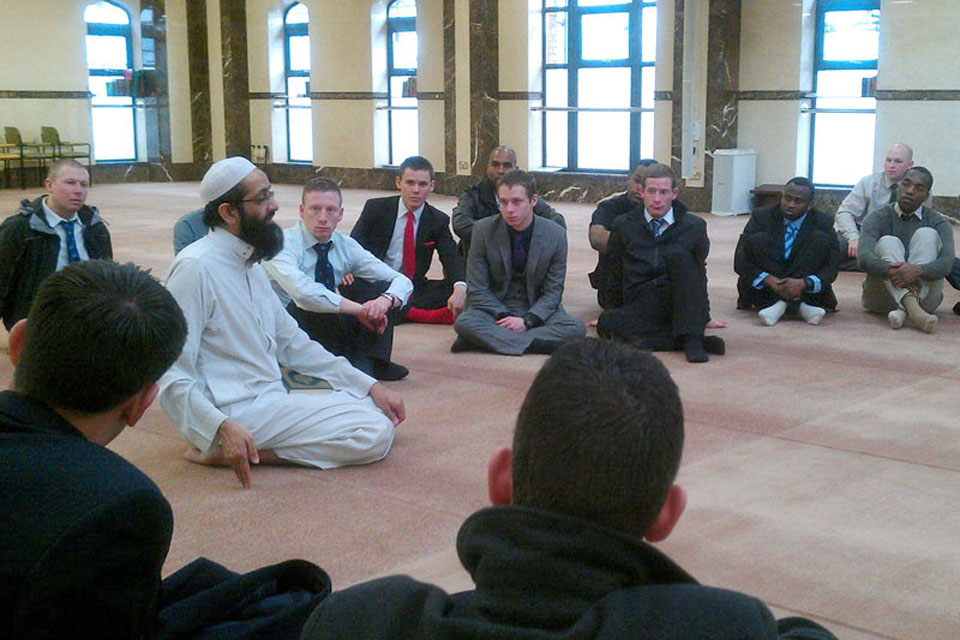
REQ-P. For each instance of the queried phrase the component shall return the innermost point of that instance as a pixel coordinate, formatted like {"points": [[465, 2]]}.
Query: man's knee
{"points": [[925, 245], [890, 248]]}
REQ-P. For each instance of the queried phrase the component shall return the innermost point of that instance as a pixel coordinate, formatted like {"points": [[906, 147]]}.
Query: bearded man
{"points": [[225, 391]]}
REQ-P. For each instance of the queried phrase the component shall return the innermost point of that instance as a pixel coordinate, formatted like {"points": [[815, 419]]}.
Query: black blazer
{"points": [[375, 227], [84, 533]]}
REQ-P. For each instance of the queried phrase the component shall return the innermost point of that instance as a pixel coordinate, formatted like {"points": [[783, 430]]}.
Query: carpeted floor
{"points": [[822, 463]]}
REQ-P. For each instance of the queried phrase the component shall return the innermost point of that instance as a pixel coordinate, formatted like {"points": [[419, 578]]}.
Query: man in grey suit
{"points": [[515, 273]]}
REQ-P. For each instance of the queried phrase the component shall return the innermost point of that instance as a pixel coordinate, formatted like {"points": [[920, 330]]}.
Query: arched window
{"points": [[845, 111], [296, 55], [598, 83], [402, 49], [110, 60]]}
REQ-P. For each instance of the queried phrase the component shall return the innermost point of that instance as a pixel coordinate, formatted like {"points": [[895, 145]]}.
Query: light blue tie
{"points": [[788, 237], [72, 254], [656, 226]]}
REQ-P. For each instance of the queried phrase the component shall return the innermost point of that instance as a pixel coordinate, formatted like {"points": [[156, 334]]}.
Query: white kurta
{"points": [[238, 335]]}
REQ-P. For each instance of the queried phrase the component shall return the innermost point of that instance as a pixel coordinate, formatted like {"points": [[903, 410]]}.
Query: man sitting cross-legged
{"points": [[787, 257], [515, 273], [315, 257], [906, 250], [225, 391], [564, 552]]}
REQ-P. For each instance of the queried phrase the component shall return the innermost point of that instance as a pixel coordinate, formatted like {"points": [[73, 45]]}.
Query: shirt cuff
{"points": [[813, 284], [758, 281]]}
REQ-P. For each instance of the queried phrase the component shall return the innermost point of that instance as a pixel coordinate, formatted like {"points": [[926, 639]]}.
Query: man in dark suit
{"points": [[515, 273], [84, 532], [404, 231], [657, 279], [788, 257], [564, 552]]}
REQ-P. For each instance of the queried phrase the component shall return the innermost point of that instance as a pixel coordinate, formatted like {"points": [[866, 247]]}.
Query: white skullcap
{"points": [[223, 176]]}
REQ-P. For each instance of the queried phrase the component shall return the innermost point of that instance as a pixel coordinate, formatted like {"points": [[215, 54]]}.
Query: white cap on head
{"points": [[223, 176]]}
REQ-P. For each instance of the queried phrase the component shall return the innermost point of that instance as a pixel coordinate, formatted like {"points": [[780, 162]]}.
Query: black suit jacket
{"points": [[375, 227], [83, 533]]}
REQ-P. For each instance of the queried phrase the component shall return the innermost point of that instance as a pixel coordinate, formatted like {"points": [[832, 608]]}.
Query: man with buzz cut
{"points": [[225, 391], [565, 551], [315, 257], [515, 276], [47, 234], [404, 231], [906, 250], [480, 201]]}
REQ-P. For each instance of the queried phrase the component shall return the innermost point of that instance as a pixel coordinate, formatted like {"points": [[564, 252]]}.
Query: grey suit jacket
{"points": [[488, 267]]}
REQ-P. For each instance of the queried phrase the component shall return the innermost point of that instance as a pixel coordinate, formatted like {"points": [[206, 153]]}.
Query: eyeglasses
{"points": [[261, 197]]}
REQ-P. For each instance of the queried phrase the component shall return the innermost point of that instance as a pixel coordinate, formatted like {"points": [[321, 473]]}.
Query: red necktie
{"points": [[409, 250]]}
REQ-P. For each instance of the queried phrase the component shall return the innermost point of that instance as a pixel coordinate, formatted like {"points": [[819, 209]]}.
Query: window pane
{"points": [[298, 14], [301, 133], [404, 133], [396, 93], [405, 50], [99, 88], [842, 89], [297, 92], [600, 3], [300, 53], [646, 135], [106, 52], [648, 41], [607, 87], [556, 138], [648, 84], [605, 36], [554, 3], [556, 37], [851, 35], [113, 133], [105, 13], [402, 9], [603, 141], [842, 147]]}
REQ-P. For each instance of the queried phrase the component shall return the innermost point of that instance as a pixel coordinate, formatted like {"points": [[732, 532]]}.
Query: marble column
{"points": [[484, 83], [157, 104], [199, 81], [449, 87], [236, 81]]}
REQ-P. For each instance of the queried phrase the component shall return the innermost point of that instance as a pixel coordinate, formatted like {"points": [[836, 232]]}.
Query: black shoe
{"points": [[460, 345], [956, 308], [389, 371], [545, 347], [694, 349], [714, 345]]}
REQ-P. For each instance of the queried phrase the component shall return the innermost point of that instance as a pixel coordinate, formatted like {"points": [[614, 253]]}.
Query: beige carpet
{"points": [[821, 462]]}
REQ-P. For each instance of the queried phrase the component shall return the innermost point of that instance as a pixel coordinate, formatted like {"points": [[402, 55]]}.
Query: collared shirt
{"points": [[792, 227], [291, 271], [917, 213], [394, 257], [54, 220], [870, 194], [526, 236], [237, 333], [666, 219]]}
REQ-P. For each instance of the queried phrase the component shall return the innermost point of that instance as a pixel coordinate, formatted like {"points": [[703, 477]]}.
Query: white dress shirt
{"points": [[54, 220], [666, 218], [394, 257], [237, 331], [292, 270]]}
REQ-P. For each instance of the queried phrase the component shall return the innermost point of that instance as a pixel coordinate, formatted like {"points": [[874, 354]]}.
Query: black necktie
{"points": [[893, 192], [519, 257], [324, 271]]}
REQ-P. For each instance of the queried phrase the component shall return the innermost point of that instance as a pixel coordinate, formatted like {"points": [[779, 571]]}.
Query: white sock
{"points": [[773, 313], [811, 314], [896, 318]]}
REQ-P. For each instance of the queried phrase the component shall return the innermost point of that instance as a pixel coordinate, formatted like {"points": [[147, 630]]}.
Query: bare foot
{"points": [[716, 324], [214, 458], [593, 323]]}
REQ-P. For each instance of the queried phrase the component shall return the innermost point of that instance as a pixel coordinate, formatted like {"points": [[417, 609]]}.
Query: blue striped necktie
{"points": [[656, 227], [788, 237], [72, 253]]}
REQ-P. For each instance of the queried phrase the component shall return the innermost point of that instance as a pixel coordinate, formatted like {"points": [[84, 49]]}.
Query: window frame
{"points": [[397, 25], [117, 30], [819, 64], [634, 61], [290, 31]]}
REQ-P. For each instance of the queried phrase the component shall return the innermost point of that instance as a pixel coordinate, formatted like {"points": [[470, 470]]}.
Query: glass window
{"points": [[843, 123], [598, 83], [110, 62], [403, 48], [296, 24], [105, 13]]}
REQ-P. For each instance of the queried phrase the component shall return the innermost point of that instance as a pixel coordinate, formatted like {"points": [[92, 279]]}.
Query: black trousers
{"points": [[344, 335], [764, 250], [674, 304]]}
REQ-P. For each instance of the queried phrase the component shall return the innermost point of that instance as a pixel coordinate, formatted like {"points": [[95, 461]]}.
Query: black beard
{"points": [[266, 238]]}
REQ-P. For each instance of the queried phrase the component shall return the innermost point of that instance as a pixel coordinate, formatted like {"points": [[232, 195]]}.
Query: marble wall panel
{"points": [[449, 86], [236, 81], [199, 69], [484, 83]]}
